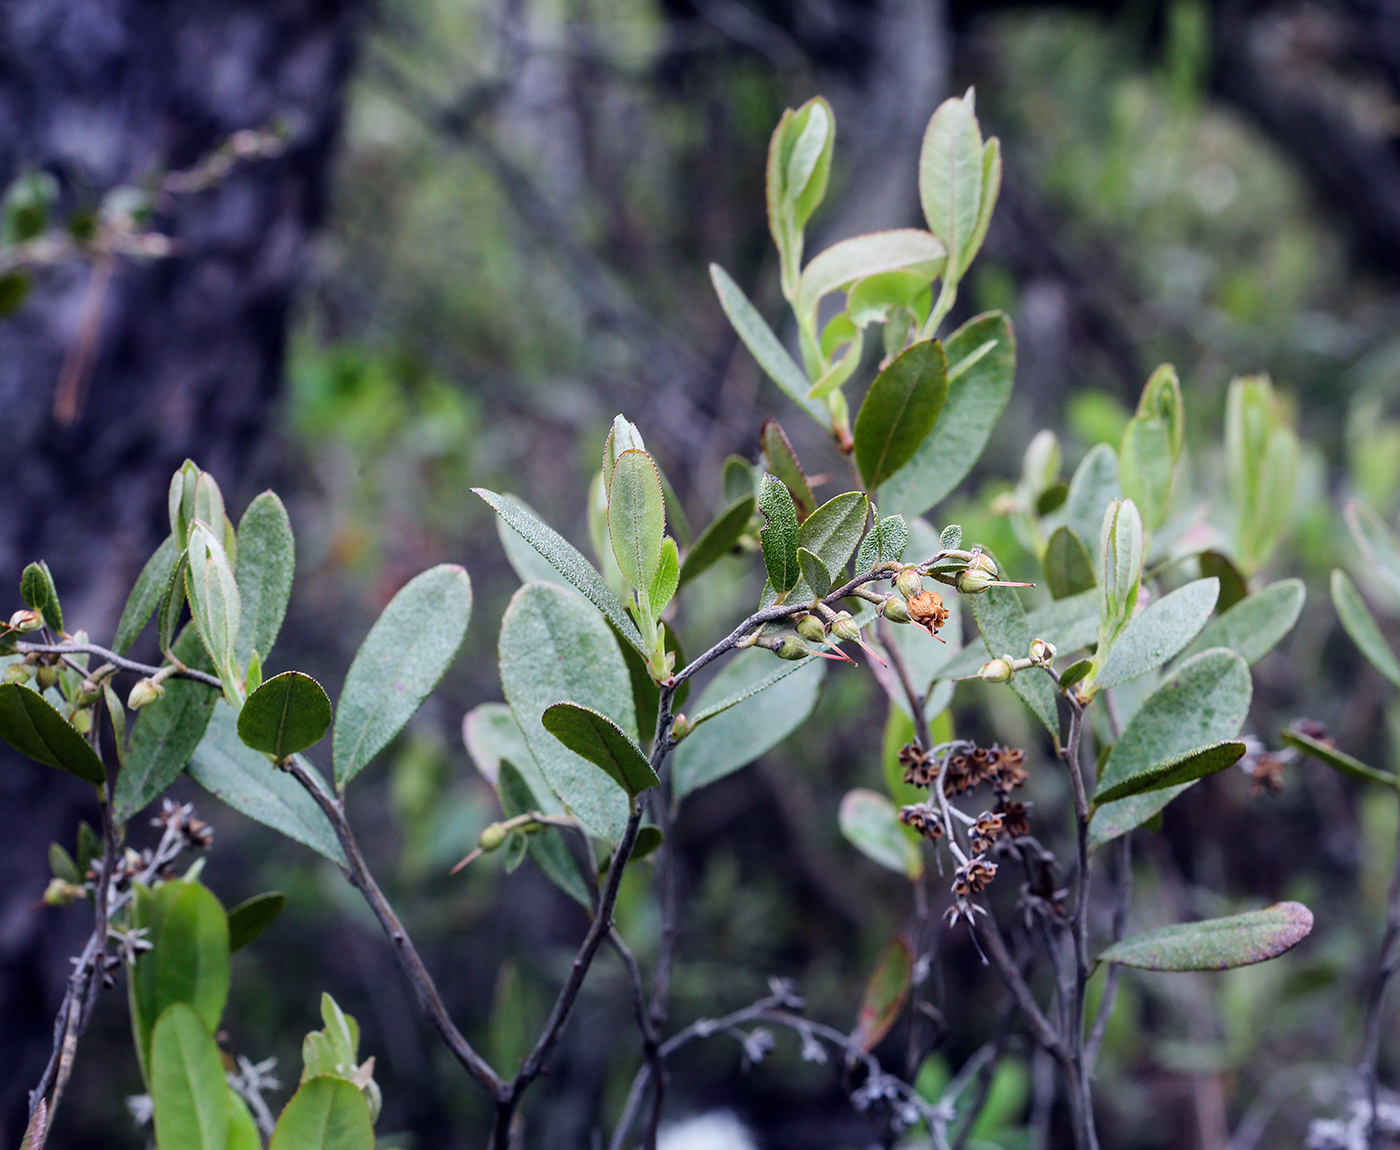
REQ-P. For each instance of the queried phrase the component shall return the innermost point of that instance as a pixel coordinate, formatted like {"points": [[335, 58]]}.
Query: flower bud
{"points": [[811, 628], [47, 676], [909, 582], [18, 673], [792, 649], [88, 693], [844, 628], [81, 719], [892, 608], [25, 621], [996, 671], [492, 837], [680, 727], [146, 692], [61, 892], [1042, 652], [980, 573]]}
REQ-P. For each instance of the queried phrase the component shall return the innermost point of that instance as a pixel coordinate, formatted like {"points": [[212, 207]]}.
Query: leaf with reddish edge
{"points": [[885, 994], [1217, 943]]}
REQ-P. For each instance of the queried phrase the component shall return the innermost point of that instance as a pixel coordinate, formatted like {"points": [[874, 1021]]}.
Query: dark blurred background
{"points": [[417, 245]]}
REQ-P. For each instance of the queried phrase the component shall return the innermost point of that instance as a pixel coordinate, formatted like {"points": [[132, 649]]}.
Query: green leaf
{"points": [[1338, 760], [61, 864], [885, 993], [738, 479], [1156, 634], [781, 460], [555, 648], [243, 1130], [187, 963], [1361, 625], [266, 563], [1119, 570], [529, 565], [181, 501], [799, 164], [1204, 701], [1147, 467], [1069, 569], [815, 577], [1233, 585], [406, 652], [326, 1113], [1254, 625], [636, 517], [190, 1098], [950, 180], [779, 534], [1217, 943], [546, 849], [39, 594], [1002, 621], [146, 595], [31, 725], [172, 604], [1075, 672], [214, 602], [565, 559], [951, 538], [599, 740], [899, 411], [885, 541], [493, 737], [870, 823], [667, 578], [718, 539], [863, 256], [167, 732], [832, 531], [1070, 624], [981, 358], [253, 916], [232, 771], [1093, 488], [1184, 768], [764, 346], [1376, 541], [288, 713], [1262, 454], [747, 710]]}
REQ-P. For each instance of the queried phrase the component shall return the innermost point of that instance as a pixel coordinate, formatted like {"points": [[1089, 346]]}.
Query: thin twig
{"points": [[117, 661], [1044, 1033], [1122, 894], [1375, 998]]}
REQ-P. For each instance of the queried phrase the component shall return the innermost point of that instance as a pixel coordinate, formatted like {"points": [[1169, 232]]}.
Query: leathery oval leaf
{"points": [[602, 742], [287, 714], [899, 411], [1217, 943], [870, 823], [326, 1113], [31, 725], [190, 1100]]}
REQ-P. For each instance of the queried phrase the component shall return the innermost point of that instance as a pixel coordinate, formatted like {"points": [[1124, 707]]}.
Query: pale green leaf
{"points": [[1361, 625], [636, 517], [1338, 760], [493, 737], [1005, 630], [191, 1103], [779, 534], [870, 823], [266, 563], [1157, 633], [862, 256], [326, 1113], [1069, 568], [1217, 943], [718, 539], [1255, 624], [951, 179], [763, 345], [1376, 541], [146, 595]]}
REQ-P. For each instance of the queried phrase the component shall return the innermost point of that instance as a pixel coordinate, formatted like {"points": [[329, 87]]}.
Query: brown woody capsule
{"points": [[927, 610]]}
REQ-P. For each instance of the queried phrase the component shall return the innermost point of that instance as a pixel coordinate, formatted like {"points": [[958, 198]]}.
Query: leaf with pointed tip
{"points": [[326, 1113], [190, 1100], [779, 534], [1361, 625], [815, 577], [899, 411], [214, 600], [1069, 569], [31, 725], [172, 605], [253, 916], [870, 823], [1002, 621], [782, 461], [1338, 760], [636, 517], [528, 564], [981, 359], [1147, 466], [951, 178], [406, 652], [667, 578], [266, 564], [1156, 634], [832, 531], [884, 542], [763, 345], [288, 713], [718, 539], [1217, 943], [566, 559], [885, 994], [602, 742], [1377, 541], [146, 595], [37, 589], [1184, 768], [1254, 625]]}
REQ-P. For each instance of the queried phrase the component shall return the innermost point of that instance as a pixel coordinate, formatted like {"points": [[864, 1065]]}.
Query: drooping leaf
{"points": [[1217, 943], [1002, 621], [885, 994], [1361, 625], [599, 740], [406, 652], [779, 534], [782, 461], [745, 718], [36, 588], [190, 1099], [899, 411], [565, 559], [232, 771], [981, 358], [146, 595], [1069, 569], [763, 345], [287, 714], [1376, 541], [636, 517], [1184, 768], [1156, 634], [1338, 760], [555, 648], [326, 1113], [1254, 625], [253, 916], [31, 725], [266, 563], [870, 823], [1204, 701], [718, 539]]}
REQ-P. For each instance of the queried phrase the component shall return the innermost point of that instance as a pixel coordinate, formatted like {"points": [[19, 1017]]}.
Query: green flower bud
{"points": [[18, 673], [47, 676], [792, 649], [844, 628], [909, 582], [146, 692], [996, 671], [1042, 652], [892, 608], [492, 837], [680, 727], [61, 892], [81, 720], [25, 621], [811, 628]]}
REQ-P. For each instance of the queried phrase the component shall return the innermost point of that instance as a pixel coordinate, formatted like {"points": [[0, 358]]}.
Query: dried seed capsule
{"points": [[927, 610]]}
